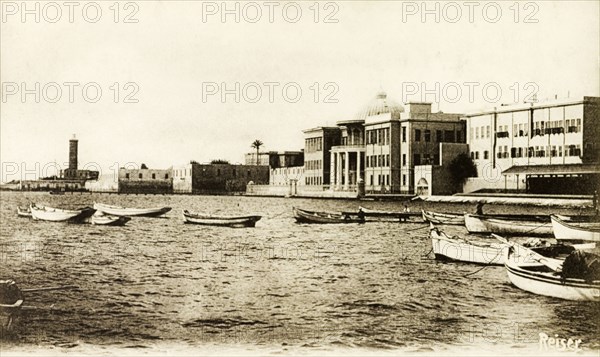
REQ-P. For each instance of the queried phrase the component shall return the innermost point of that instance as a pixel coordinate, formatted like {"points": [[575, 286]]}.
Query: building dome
{"points": [[380, 105]]}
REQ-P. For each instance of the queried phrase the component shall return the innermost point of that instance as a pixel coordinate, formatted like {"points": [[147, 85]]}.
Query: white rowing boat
{"points": [[24, 212], [52, 214], [102, 219], [566, 230], [125, 211], [526, 225], [460, 249], [443, 218], [541, 275], [226, 221]]}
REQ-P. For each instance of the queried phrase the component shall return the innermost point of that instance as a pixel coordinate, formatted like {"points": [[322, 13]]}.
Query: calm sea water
{"points": [[278, 287]]}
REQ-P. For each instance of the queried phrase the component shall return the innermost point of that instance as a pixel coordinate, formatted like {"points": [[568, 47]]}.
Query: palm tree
{"points": [[256, 145]]}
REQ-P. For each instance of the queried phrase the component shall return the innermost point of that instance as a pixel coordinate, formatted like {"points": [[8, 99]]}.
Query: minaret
{"points": [[73, 154]]}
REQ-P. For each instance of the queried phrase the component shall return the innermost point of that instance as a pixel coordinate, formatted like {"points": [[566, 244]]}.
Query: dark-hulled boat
{"points": [[305, 216], [224, 221], [11, 300]]}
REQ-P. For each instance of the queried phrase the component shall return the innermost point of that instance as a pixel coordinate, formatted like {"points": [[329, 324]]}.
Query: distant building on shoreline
{"points": [[276, 159], [380, 149], [196, 178], [73, 172], [146, 181], [551, 147], [70, 179]]}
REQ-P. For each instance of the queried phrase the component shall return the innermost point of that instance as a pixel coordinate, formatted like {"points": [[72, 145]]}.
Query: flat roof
{"points": [[518, 107], [321, 128], [562, 169]]}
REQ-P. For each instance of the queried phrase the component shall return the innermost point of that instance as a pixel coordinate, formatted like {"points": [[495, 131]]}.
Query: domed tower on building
{"points": [[348, 159]]}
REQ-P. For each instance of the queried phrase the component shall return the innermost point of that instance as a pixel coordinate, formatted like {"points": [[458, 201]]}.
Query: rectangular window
{"points": [[449, 136], [140, 175], [166, 176], [426, 159], [487, 132], [515, 130], [403, 159], [417, 135], [387, 160], [417, 159], [153, 176], [476, 155], [403, 180], [126, 176], [438, 136], [477, 133], [486, 155], [403, 134], [427, 135]]}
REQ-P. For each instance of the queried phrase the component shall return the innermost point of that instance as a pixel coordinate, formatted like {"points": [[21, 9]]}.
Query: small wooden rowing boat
{"points": [[461, 249], [541, 275], [567, 230], [11, 300], [125, 211], [443, 218], [52, 214], [24, 212], [524, 225], [102, 219], [305, 216], [225, 221]]}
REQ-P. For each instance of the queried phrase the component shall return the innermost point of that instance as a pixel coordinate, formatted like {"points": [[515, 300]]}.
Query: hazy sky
{"points": [[178, 55]]}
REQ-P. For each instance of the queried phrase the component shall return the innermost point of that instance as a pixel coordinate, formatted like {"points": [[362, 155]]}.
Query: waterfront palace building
{"points": [[549, 147], [380, 146]]}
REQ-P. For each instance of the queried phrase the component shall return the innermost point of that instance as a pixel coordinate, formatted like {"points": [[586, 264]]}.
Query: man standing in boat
{"points": [[361, 215], [479, 208]]}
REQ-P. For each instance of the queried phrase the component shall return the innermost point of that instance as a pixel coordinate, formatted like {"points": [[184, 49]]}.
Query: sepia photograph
{"points": [[299, 178]]}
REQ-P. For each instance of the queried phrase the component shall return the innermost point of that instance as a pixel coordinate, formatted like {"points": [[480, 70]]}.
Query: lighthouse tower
{"points": [[73, 154]]}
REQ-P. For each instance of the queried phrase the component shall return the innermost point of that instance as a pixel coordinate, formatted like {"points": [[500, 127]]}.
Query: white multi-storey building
{"points": [[539, 147]]}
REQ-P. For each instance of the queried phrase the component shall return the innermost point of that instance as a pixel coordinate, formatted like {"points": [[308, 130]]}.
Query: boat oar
{"points": [[51, 288], [553, 264], [38, 308]]}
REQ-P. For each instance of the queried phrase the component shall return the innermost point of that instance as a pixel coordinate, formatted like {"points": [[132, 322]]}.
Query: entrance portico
{"points": [[347, 167]]}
